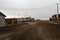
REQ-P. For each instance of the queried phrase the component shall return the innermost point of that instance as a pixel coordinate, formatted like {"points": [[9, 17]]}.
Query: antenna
{"points": [[18, 15]]}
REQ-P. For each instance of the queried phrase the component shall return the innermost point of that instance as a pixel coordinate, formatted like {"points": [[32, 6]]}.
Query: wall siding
{"points": [[2, 20]]}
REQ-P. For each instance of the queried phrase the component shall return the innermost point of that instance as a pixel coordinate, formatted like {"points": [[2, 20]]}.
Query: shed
{"points": [[2, 19]]}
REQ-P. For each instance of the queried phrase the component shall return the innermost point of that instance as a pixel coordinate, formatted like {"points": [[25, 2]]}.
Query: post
{"points": [[57, 13]]}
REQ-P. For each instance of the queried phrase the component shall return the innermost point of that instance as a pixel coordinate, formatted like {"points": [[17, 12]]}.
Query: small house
{"points": [[55, 17], [2, 19]]}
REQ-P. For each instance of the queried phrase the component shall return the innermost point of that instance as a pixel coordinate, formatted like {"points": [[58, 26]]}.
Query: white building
{"points": [[27, 19]]}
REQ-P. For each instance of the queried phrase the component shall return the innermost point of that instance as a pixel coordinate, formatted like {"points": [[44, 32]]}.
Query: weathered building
{"points": [[18, 20], [2, 19], [55, 17], [11, 21]]}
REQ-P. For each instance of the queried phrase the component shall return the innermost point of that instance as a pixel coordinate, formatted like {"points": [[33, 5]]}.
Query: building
{"points": [[11, 21], [22, 19], [27, 19], [2, 19], [55, 17]]}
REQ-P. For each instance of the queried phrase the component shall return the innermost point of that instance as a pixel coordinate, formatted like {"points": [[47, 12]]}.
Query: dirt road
{"points": [[37, 31]]}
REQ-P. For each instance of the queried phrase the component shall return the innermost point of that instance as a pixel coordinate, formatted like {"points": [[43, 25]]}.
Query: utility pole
{"points": [[57, 12]]}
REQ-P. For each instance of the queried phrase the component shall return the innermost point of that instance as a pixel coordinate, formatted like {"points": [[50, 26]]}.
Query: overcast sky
{"points": [[42, 9]]}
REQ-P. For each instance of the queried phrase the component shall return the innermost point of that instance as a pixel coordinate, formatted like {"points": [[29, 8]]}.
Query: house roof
{"points": [[2, 14], [56, 14]]}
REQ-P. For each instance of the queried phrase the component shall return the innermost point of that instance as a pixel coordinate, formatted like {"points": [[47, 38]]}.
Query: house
{"points": [[11, 21], [2, 19], [55, 17], [16, 20]]}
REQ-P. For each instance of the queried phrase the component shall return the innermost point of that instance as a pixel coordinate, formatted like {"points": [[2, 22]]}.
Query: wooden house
{"points": [[11, 21]]}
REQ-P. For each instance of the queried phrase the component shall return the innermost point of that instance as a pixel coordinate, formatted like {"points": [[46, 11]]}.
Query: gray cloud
{"points": [[42, 9], [25, 4]]}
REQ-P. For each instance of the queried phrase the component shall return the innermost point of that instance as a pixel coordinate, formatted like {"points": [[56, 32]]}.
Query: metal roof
{"points": [[2, 14]]}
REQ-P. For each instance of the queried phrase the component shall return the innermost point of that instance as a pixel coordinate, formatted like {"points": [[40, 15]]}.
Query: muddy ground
{"points": [[41, 30]]}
